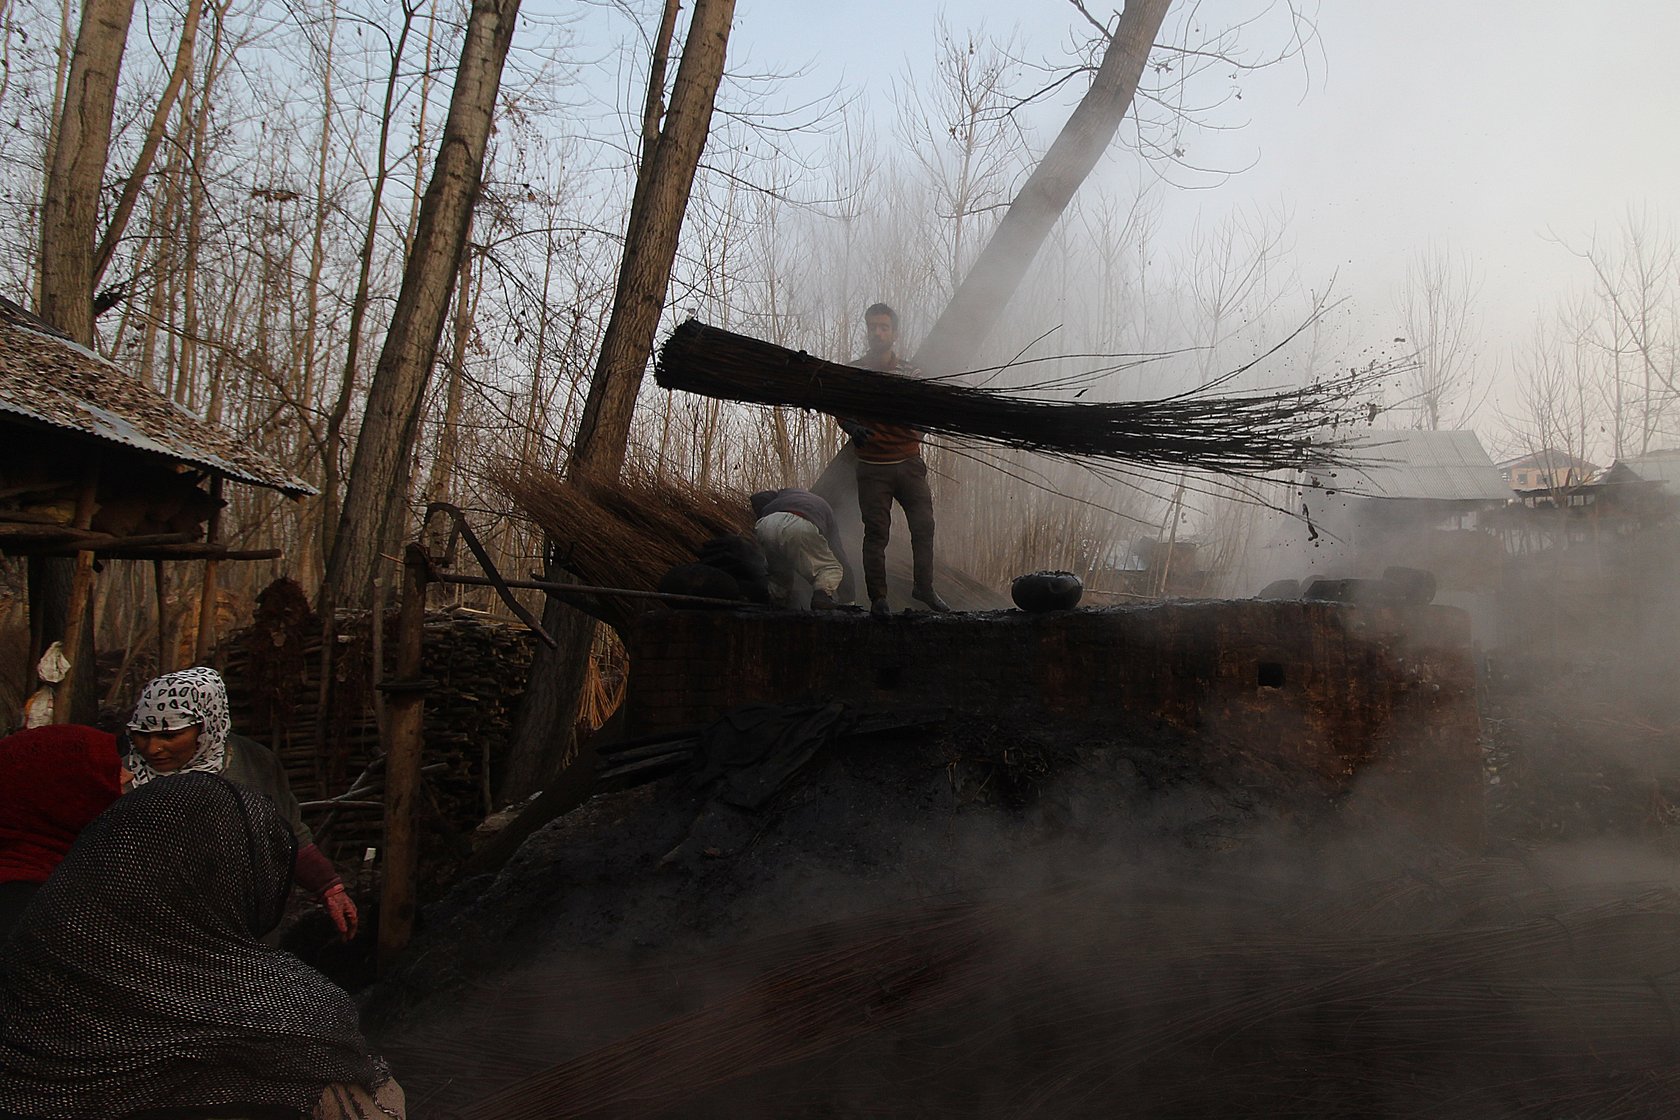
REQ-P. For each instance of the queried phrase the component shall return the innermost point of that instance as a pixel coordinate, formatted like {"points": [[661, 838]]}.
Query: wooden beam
{"points": [[163, 662], [192, 551], [67, 540], [559, 589], [405, 712]]}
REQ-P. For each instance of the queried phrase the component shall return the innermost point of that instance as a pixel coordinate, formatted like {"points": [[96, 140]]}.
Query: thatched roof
{"points": [[47, 379]]}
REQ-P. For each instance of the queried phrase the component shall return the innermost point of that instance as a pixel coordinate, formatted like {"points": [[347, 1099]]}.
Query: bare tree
{"points": [[59, 589], [376, 500], [650, 244], [963, 327], [332, 449], [1635, 278], [1438, 308], [1558, 411], [149, 146], [960, 133]]}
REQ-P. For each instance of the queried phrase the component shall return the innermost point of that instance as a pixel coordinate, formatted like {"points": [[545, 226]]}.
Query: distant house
{"points": [[1658, 467], [1410, 499], [1433, 476], [1546, 469]]}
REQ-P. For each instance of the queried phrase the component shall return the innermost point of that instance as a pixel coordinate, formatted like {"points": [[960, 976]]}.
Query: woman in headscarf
{"points": [[136, 985], [53, 781], [181, 725]]}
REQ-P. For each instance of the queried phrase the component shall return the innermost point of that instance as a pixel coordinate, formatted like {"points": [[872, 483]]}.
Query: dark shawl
{"points": [[136, 981]]}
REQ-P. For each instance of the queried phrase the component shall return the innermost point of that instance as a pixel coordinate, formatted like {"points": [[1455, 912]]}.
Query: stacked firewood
{"points": [[328, 739]]}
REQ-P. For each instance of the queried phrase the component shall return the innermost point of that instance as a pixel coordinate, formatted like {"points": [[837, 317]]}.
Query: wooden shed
{"points": [[97, 465]]}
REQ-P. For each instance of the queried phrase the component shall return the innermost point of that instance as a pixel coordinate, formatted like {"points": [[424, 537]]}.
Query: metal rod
{"points": [[588, 589]]}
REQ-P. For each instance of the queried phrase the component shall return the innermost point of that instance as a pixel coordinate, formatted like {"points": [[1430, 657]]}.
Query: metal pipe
{"points": [[588, 589]]}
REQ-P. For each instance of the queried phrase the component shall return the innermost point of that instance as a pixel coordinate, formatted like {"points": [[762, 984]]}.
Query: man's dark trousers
{"points": [[877, 485]]}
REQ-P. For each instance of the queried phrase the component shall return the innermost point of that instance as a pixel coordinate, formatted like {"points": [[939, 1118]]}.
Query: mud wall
{"points": [[1372, 703]]}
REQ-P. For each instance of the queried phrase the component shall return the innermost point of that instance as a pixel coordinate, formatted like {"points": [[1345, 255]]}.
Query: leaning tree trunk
{"points": [[376, 499], [962, 329], [542, 737]]}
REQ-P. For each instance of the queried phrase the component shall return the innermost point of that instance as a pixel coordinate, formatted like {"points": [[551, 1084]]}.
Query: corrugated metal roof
{"points": [[1655, 466], [1549, 459], [48, 378], [1443, 466]]}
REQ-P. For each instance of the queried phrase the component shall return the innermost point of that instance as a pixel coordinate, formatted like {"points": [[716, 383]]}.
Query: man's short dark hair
{"points": [[881, 309]]}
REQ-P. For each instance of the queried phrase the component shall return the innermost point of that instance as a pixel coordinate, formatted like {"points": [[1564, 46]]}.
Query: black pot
{"points": [[1046, 591]]}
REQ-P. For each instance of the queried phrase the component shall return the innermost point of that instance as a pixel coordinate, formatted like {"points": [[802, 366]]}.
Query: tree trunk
{"points": [[956, 338], [376, 500], [82, 141], [442, 471], [542, 737]]}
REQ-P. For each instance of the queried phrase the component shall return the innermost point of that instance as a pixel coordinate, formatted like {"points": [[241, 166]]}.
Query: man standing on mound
{"points": [[890, 467]]}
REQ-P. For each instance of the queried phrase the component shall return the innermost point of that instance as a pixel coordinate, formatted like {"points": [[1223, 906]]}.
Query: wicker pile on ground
{"points": [[1239, 434]]}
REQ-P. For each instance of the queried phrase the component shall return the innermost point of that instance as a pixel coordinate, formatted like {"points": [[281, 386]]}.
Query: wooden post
{"points": [[405, 708], [159, 593], [76, 638], [207, 594], [376, 640]]}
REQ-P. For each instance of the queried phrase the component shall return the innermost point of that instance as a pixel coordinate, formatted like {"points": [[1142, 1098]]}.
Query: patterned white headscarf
{"points": [[190, 697]]}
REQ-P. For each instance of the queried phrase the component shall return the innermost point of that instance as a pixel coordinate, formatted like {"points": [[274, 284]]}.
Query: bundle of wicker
{"points": [[1241, 434], [627, 533]]}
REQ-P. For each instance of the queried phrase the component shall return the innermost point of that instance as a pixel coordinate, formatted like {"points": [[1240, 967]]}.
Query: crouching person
{"points": [[794, 528]]}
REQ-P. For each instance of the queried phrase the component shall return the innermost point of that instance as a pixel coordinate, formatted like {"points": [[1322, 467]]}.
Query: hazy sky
{"points": [[1483, 124]]}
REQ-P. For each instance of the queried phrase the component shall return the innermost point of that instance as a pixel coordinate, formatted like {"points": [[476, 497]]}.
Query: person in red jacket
{"points": [[890, 467], [53, 781]]}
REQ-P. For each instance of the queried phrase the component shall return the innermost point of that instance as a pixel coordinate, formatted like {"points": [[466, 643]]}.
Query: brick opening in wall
{"points": [[1270, 674]]}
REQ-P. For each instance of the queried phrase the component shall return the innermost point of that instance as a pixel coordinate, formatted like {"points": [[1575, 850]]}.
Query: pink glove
{"points": [[341, 910]]}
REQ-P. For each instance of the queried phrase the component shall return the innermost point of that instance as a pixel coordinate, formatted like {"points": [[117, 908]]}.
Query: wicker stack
{"points": [[328, 739]]}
